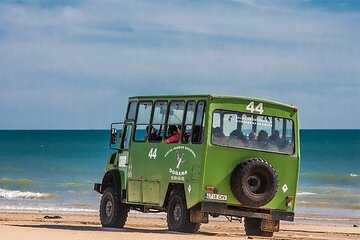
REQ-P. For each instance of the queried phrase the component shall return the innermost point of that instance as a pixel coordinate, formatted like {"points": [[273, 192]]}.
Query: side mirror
{"points": [[113, 136]]}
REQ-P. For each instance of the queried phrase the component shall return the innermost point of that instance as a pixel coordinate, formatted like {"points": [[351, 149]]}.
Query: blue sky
{"points": [[73, 64]]}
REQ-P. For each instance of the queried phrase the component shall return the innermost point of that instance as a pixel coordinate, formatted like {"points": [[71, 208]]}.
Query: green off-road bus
{"points": [[192, 156]]}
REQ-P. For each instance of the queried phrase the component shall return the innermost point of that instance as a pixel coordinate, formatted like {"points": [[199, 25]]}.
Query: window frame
{"points": [[152, 118], [184, 122], [136, 119], [128, 109], [126, 129], [168, 115], [203, 125]]}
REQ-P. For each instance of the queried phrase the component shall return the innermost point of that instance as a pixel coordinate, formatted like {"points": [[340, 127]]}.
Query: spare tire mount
{"points": [[254, 182]]}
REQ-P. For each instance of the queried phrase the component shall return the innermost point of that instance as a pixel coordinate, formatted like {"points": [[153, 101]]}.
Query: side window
{"points": [[288, 131], [197, 136], [217, 134], [175, 119], [188, 124], [127, 137], [158, 122], [142, 121], [131, 111], [230, 123]]}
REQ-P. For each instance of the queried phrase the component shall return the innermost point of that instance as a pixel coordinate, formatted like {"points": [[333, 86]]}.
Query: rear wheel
{"points": [[253, 228], [178, 216], [113, 213]]}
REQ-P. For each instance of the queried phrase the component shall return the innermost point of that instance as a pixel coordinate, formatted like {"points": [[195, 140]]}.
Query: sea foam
{"points": [[305, 193], [15, 194], [54, 209]]}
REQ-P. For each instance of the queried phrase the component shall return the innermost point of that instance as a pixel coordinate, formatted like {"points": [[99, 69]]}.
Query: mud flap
{"points": [[270, 225], [198, 216]]}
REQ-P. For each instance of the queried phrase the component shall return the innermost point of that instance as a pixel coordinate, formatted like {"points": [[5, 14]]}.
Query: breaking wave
{"points": [[347, 178], [305, 193], [21, 208], [15, 194]]}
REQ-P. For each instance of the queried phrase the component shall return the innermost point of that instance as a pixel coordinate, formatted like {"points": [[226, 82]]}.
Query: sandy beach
{"points": [[31, 226]]}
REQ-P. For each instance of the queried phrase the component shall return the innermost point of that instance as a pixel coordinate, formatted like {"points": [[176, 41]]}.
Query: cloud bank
{"points": [[73, 64]]}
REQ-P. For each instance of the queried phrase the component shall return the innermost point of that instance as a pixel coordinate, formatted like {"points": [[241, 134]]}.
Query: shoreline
{"points": [[30, 226], [304, 218]]}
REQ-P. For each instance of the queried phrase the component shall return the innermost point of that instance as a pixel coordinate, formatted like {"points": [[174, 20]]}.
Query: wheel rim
{"points": [[256, 183], [109, 208], [177, 212], [253, 183]]}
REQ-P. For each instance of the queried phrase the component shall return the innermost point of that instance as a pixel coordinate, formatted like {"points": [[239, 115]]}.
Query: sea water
{"points": [[55, 171], [330, 172]]}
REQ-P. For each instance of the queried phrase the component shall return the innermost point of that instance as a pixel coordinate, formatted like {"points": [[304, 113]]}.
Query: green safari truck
{"points": [[192, 156]]}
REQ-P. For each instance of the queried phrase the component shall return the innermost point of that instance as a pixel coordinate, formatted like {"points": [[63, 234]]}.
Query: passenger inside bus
{"points": [[196, 137], [263, 141], [252, 140], [237, 138], [276, 140], [275, 137], [218, 137], [151, 133], [173, 134], [186, 137]]}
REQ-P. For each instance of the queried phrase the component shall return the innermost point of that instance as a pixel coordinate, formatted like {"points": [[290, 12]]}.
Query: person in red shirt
{"points": [[174, 134]]}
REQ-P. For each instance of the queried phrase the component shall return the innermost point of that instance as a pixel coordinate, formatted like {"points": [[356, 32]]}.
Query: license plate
{"points": [[213, 196]]}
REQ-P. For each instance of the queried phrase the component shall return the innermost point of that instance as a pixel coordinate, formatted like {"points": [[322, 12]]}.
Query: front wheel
{"points": [[178, 216], [253, 228], [113, 213]]}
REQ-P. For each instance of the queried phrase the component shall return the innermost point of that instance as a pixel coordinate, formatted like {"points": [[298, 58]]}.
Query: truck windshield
{"points": [[266, 133]]}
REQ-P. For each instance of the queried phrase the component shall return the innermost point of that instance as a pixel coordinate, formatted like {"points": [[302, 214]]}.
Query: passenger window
{"points": [[127, 137], [156, 131], [176, 114], [131, 111], [247, 123], [189, 118], [197, 136], [217, 134], [142, 121]]}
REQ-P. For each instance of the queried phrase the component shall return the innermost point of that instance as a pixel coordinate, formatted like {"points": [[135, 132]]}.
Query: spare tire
{"points": [[254, 182]]}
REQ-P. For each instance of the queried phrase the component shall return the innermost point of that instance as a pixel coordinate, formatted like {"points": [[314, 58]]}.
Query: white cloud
{"points": [[127, 48]]}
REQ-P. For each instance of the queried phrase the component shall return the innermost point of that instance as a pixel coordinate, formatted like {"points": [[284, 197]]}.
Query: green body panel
{"points": [[221, 160], [134, 191], [163, 170], [146, 178], [120, 164]]}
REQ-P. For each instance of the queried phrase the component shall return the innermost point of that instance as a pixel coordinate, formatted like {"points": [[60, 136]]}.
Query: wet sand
{"points": [[31, 226]]}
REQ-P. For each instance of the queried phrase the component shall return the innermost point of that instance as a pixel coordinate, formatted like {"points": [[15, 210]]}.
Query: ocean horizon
{"points": [[54, 170]]}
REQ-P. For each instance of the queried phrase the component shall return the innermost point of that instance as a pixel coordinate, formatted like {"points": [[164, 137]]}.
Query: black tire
{"points": [[178, 216], [254, 182], [253, 228], [113, 213]]}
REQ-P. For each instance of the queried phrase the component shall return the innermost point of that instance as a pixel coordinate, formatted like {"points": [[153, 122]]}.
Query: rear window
{"points": [[261, 132]]}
